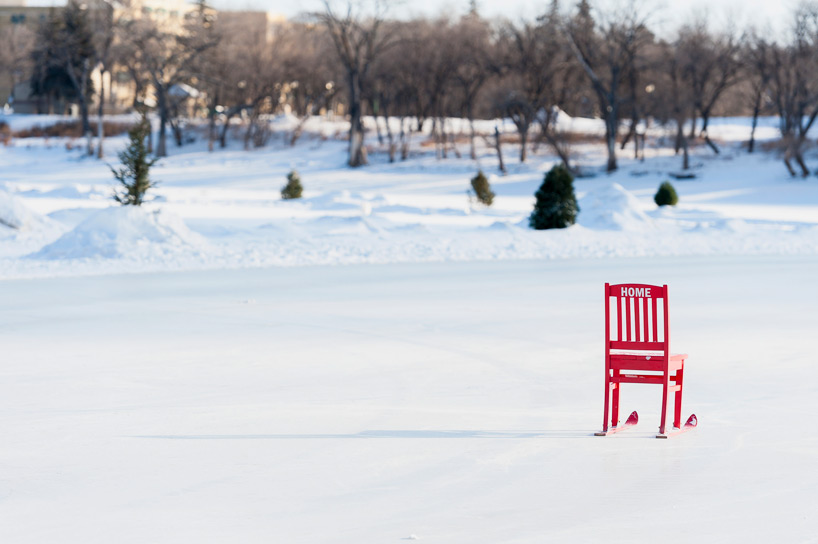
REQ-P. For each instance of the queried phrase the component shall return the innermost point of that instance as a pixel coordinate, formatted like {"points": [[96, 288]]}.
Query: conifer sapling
{"points": [[133, 175], [293, 189], [482, 189]]}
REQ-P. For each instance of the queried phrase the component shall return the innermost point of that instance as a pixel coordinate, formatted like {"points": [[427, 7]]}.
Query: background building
{"points": [[18, 23]]}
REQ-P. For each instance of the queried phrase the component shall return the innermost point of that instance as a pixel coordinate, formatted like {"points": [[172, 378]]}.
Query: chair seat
{"points": [[650, 362]]}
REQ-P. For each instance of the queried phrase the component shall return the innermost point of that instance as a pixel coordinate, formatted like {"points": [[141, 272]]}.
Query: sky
{"points": [[666, 13]]}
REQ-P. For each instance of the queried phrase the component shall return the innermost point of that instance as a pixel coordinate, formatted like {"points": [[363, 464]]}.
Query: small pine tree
{"points": [[556, 206], [482, 189], [293, 188], [135, 166], [666, 195]]}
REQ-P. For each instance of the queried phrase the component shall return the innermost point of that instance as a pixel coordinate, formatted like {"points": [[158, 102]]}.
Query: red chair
{"points": [[637, 350]]}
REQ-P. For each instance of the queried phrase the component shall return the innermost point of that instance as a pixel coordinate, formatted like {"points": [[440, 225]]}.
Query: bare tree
{"points": [[249, 75], [713, 66], [757, 68], [104, 26], [473, 65], [306, 57], [794, 85], [167, 59], [672, 84], [608, 52], [358, 41], [535, 64]]}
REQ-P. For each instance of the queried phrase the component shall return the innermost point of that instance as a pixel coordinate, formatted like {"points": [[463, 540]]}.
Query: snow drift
{"points": [[16, 215], [118, 231], [612, 207]]}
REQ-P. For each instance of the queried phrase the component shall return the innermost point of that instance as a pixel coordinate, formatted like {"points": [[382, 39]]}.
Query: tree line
{"points": [[573, 59]]}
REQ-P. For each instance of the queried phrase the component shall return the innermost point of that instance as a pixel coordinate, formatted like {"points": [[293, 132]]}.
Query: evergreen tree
{"points": [[293, 188], [135, 166], [556, 206], [482, 189], [666, 195]]}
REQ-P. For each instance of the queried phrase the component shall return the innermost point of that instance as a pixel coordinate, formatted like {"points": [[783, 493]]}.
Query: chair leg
{"points": [[663, 421], [607, 402], [615, 407], [677, 405]]}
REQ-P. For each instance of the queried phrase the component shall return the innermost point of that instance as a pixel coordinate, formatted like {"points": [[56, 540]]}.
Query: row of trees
{"points": [[573, 58]]}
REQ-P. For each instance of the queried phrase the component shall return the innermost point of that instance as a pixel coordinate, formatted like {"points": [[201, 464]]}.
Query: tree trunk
{"points": [[499, 150], [523, 143], [404, 136], [373, 105], [470, 115], [707, 140], [756, 111], [298, 130], [211, 130], [677, 144], [559, 149], [441, 137], [453, 141], [631, 133], [357, 154], [390, 138], [472, 146], [101, 114], [161, 145], [610, 139], [710, 143], [799, 157], [685, 147], [223, 134], [80, 84], [692, 135]]}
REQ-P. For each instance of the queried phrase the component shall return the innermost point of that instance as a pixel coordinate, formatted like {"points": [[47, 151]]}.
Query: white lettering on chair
{"points": [[635, 292]]}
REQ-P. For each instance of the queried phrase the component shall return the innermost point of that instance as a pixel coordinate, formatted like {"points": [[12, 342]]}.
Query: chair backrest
{"points": [[636, 318]]}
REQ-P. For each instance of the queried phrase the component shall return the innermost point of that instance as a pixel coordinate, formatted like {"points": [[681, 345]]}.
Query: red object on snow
{"points": [[637, 350]]}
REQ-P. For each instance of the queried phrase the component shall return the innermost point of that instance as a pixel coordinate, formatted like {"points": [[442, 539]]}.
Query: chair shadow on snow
{"points": [[404, 434]]}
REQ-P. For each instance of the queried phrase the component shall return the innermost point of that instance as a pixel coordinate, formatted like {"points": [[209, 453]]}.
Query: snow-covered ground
{"points": [[451, 401], [202, 370], [223, 209]]}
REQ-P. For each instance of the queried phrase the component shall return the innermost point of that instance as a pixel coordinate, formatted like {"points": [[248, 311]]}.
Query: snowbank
{"points": [[16, 215], [119, 231], [611, 207]]}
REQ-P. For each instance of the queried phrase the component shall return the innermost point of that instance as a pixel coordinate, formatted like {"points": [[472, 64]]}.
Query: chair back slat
{"points": [[645, 320], [628, 319], [637, 327]]}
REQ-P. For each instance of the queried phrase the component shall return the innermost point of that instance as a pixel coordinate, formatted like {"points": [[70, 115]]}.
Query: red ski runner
{"points": [[632, 420]]}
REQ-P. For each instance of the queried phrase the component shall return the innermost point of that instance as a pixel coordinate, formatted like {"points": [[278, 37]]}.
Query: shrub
{"points": [[293, 188], [135, 166], [5, 133], [666, 195], [556, 206], [71, 129], [482, 189]]}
